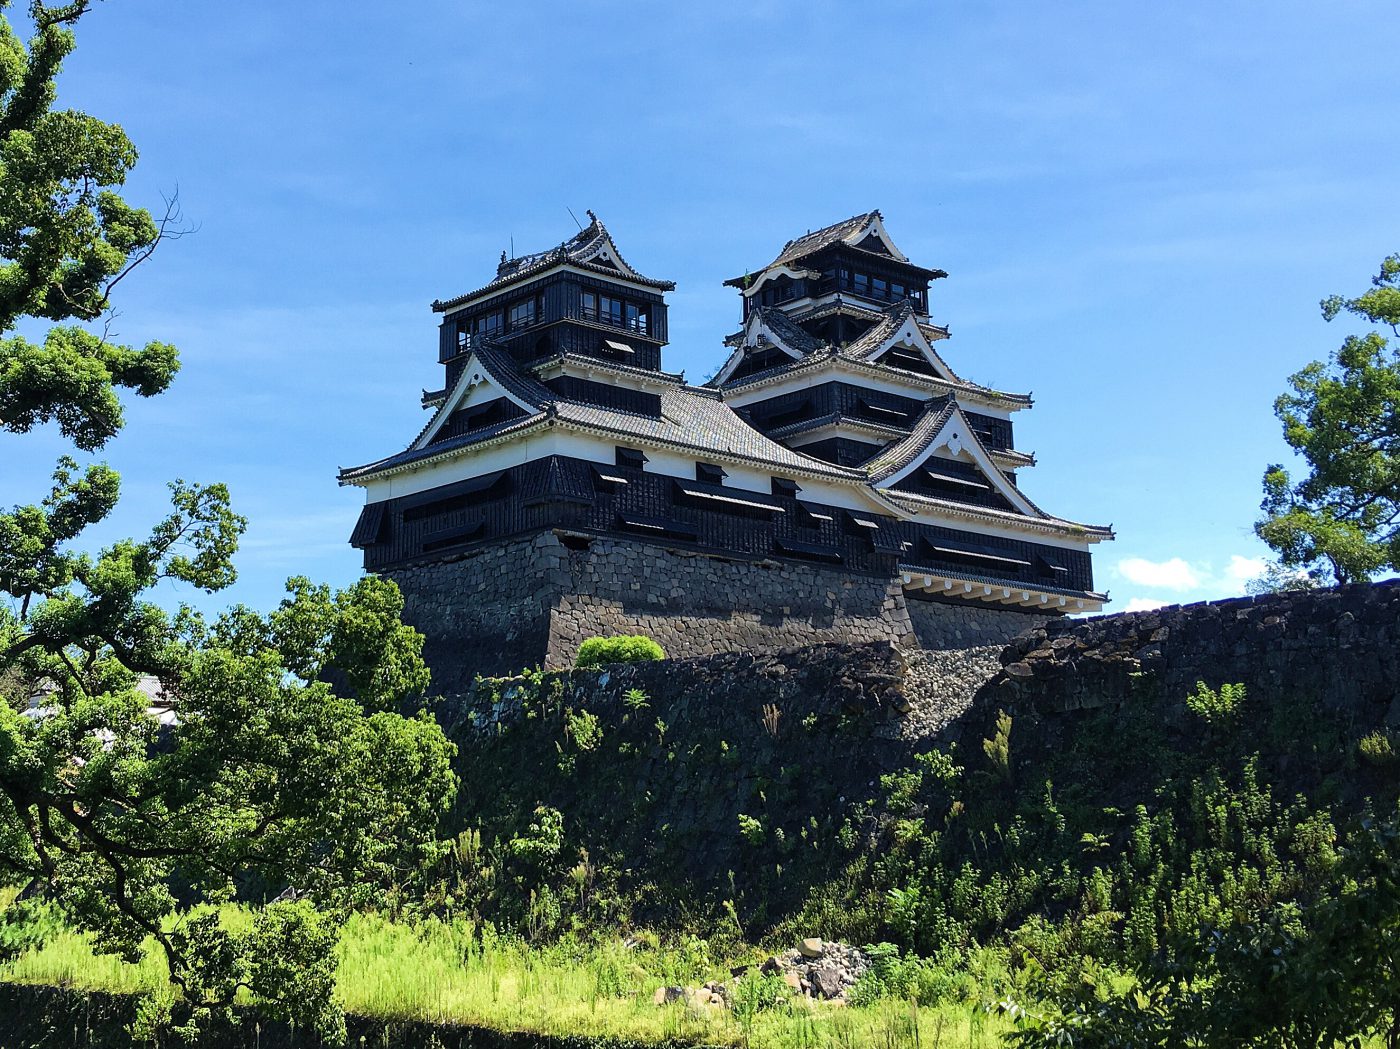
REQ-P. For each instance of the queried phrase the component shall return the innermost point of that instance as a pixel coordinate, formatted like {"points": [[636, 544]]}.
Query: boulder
{"points": [[811, 947], [666, 995], [827, 982]]}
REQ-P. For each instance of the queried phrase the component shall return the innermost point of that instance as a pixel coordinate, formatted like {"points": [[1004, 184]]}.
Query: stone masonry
{"points": [[532, 601]]}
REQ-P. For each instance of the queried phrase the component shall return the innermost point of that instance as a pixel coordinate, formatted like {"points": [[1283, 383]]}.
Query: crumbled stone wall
{"points": [[532, 601], [1340, 646], [798, 739]]}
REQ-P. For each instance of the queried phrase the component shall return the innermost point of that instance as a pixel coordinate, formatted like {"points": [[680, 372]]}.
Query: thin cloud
{"points": [[1142, 604], [1174, 574]]}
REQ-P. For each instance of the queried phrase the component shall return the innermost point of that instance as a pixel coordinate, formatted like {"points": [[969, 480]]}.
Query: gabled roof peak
{"points": [[591, 248], [856, 232]]}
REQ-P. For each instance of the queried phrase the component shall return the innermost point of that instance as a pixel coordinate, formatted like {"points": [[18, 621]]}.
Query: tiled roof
{"points": [[903, 452], [829, 353], [916, 501], [697, 418], [865, 347], [809, 243], [596, 364], [433, 451], [847, 231], [503, 370], [691, 417], [580, 250], [889, 433], [791, 334], [926, 429]]}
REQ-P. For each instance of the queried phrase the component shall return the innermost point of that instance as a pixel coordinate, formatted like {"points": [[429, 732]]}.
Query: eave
{"points": [[914, 503], [971, 587], [516, 428], [582, 366], [543, 269], [1010, 402]]}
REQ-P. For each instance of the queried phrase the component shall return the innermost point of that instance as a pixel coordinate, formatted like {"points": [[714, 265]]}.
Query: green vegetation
{"points": [[455, 972], [1342, 521], [270, 777], [632, 648], [1199, 870], [1046, 863]]}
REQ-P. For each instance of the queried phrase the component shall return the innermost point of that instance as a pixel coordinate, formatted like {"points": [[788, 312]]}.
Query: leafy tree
{"points": [[247, 770], [1343, 417]]}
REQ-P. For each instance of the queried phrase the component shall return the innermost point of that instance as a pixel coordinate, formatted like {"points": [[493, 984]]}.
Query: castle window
{"points": [[879, 412], [782, 486], [880, 289], [862, 284], [710, 473], [603, 308], [630, 458], [897, 292], [636, 318], [487, 323], [522, 313]]}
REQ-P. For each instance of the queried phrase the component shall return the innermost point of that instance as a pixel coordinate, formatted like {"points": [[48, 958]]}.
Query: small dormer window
{"points": [[630, 458], [710, 473], [785, 488]]}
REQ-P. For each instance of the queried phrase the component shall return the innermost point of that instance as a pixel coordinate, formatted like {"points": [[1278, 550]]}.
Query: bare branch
{"points": [[166, 230]]}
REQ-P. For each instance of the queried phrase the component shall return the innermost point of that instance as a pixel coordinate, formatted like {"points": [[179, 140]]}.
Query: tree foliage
{"points": [[151, 760], [1343, 417]]}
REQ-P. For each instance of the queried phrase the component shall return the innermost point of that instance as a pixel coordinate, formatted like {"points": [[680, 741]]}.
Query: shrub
{"points": [[1377, 749], [751, 829], [599, 651], [1217, 709], [583, 728]]}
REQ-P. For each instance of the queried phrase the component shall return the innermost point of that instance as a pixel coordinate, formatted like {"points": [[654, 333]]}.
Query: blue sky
{"points": [[1139, 207]]}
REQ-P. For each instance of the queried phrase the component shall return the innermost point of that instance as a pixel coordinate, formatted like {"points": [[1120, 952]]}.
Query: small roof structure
{"points": [[865, 232], [592, 248]]}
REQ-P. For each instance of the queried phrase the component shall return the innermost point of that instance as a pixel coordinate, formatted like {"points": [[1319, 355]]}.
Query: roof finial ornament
{"points": [[503, 256], [589, 213]]}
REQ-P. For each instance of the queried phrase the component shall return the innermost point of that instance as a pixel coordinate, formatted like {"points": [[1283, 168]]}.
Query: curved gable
{"points": [[944, 428], [484, 377]]}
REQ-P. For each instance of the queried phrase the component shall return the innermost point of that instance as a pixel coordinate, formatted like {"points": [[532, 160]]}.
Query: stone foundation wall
{"points": [[697, 605], [944, 624], [532, 601], [487, 613]]}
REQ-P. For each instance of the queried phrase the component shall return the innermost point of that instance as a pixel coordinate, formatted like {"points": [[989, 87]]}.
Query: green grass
{"points": [[442, 973]]}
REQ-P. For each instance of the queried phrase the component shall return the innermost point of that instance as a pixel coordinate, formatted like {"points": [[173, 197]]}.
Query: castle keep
{"points": [[836, 480]]}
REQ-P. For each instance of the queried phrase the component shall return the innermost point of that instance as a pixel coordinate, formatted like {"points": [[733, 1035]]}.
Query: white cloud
{"points": [[1242, 569], [1174, 574], [1141, 604]]}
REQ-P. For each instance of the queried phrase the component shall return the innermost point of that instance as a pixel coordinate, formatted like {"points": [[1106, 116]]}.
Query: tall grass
{"points": [[446, 973]]}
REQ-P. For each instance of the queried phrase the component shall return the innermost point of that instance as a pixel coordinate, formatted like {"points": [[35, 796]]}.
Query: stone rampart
{"points": [[532, 601], [1338, 646]]}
